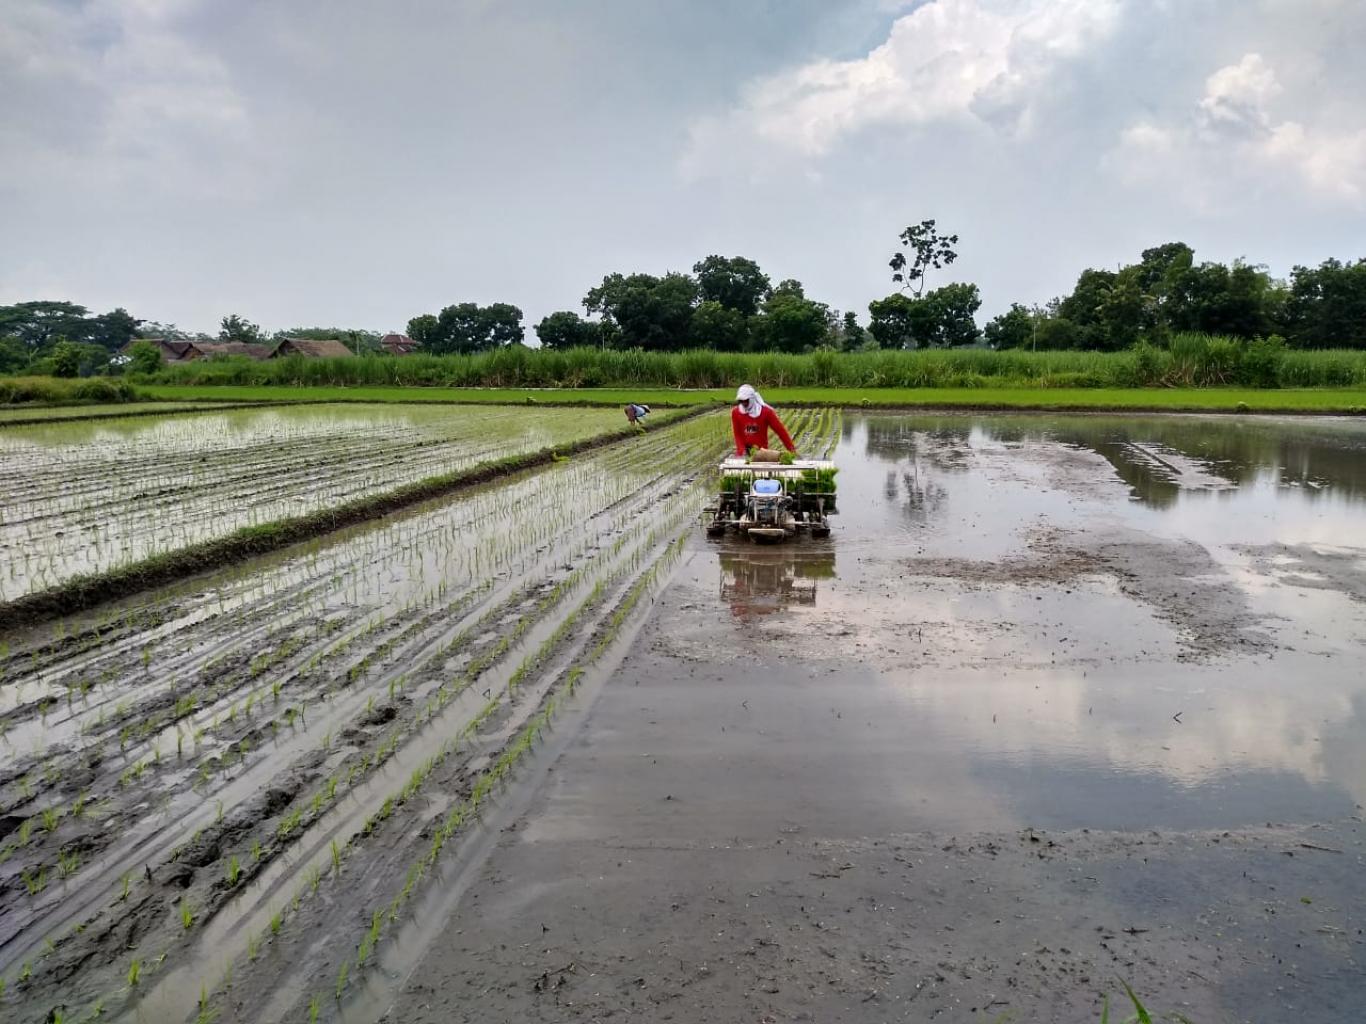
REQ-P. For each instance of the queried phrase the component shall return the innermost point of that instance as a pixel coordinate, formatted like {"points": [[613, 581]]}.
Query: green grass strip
{"points": [[651, 396], [81, 592], [1285, 400]]}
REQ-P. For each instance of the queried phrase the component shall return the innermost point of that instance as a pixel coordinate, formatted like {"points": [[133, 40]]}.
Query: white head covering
{"points": [[754, 402]]}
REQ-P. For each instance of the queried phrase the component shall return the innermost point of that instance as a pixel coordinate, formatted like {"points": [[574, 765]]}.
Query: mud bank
{"points": [[1047, 715]]}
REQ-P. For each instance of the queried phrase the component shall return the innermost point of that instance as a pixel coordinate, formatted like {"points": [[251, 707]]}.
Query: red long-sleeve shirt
{"points": [[753, 430]]}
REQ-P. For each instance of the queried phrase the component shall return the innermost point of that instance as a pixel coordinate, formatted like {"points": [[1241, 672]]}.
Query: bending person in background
{"points": [[751, 419]]}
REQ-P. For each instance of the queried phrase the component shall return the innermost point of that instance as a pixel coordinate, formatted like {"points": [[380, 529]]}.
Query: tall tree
{"points": [[792, 323], [944, 317], [234, 328], [502, 323], [719, 327], [114, 329], [853, 335], [468, 327], [566, 329], [1326, 305], [1157, 264], [37, 324], [1011, 329], [649, 312], [735, 283], [928, 249], [424, 330], [155, 329]]}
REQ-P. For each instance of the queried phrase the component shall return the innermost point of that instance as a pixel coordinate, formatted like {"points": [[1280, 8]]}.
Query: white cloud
{"points": [[967, 61], [1236, 97], [173, 156], [1332, 163], [1231, 138]]}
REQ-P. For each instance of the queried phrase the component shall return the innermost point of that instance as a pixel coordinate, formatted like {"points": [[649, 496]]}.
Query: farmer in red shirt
{"points": [[751, 418]]}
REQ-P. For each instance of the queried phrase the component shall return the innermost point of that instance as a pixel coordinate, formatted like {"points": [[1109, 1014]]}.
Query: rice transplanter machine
{"points": [[771, 501]]}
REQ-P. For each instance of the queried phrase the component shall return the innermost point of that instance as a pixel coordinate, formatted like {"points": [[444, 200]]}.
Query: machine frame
{"points": [[797, 507]]}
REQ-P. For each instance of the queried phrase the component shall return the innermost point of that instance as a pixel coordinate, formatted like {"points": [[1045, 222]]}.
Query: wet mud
{"points": [[1062, 702], [180, 774], [1027, 728]]}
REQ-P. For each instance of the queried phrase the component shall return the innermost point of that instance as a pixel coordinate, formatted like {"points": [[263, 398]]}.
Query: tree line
{"points": [[64, 339], [1167, 293], [730, 304]]}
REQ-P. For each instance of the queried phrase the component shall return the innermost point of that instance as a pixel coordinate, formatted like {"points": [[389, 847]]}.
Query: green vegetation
{"points": [[78, 592], [313, 456], [1191, 360], [1318, 400], [730, 305], [467, 327], [1167, 293], [57, 391]]}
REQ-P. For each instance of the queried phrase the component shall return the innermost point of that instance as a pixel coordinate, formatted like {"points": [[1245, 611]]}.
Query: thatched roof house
{"points": [[188, 351], [171, 351], [398, 344], [310, 348], [208, 349]]}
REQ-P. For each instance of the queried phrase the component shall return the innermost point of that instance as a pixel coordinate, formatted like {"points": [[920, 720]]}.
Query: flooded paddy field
{"points": [[87, 496], [1064, 703], [193, 780], [128, 410]]}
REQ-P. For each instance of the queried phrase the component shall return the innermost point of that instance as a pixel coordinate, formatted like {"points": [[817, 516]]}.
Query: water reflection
{"points": [[1024, 604], [1158, 458], [759, 581]]}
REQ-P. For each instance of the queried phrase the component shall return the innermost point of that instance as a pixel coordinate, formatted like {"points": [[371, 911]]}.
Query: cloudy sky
{"points": [[345, 162]]}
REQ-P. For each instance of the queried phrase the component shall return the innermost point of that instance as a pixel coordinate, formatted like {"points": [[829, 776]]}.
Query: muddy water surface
{"points": [[1099, 622], [1063, 701]]}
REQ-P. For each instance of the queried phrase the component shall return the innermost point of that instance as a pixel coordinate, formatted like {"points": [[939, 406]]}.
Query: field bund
{"points": [[1350, 400]]}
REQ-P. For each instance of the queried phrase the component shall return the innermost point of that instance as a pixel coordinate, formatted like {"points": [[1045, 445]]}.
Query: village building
{"points": [[398, 345], [310, 348], [188, 351], [171, 351], [209, 349]]}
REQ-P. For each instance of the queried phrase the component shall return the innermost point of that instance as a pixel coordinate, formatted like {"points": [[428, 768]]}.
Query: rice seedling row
{"points": [[454, 784], [199, 715], [473, 778], [220, 735], [88, 497]]}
